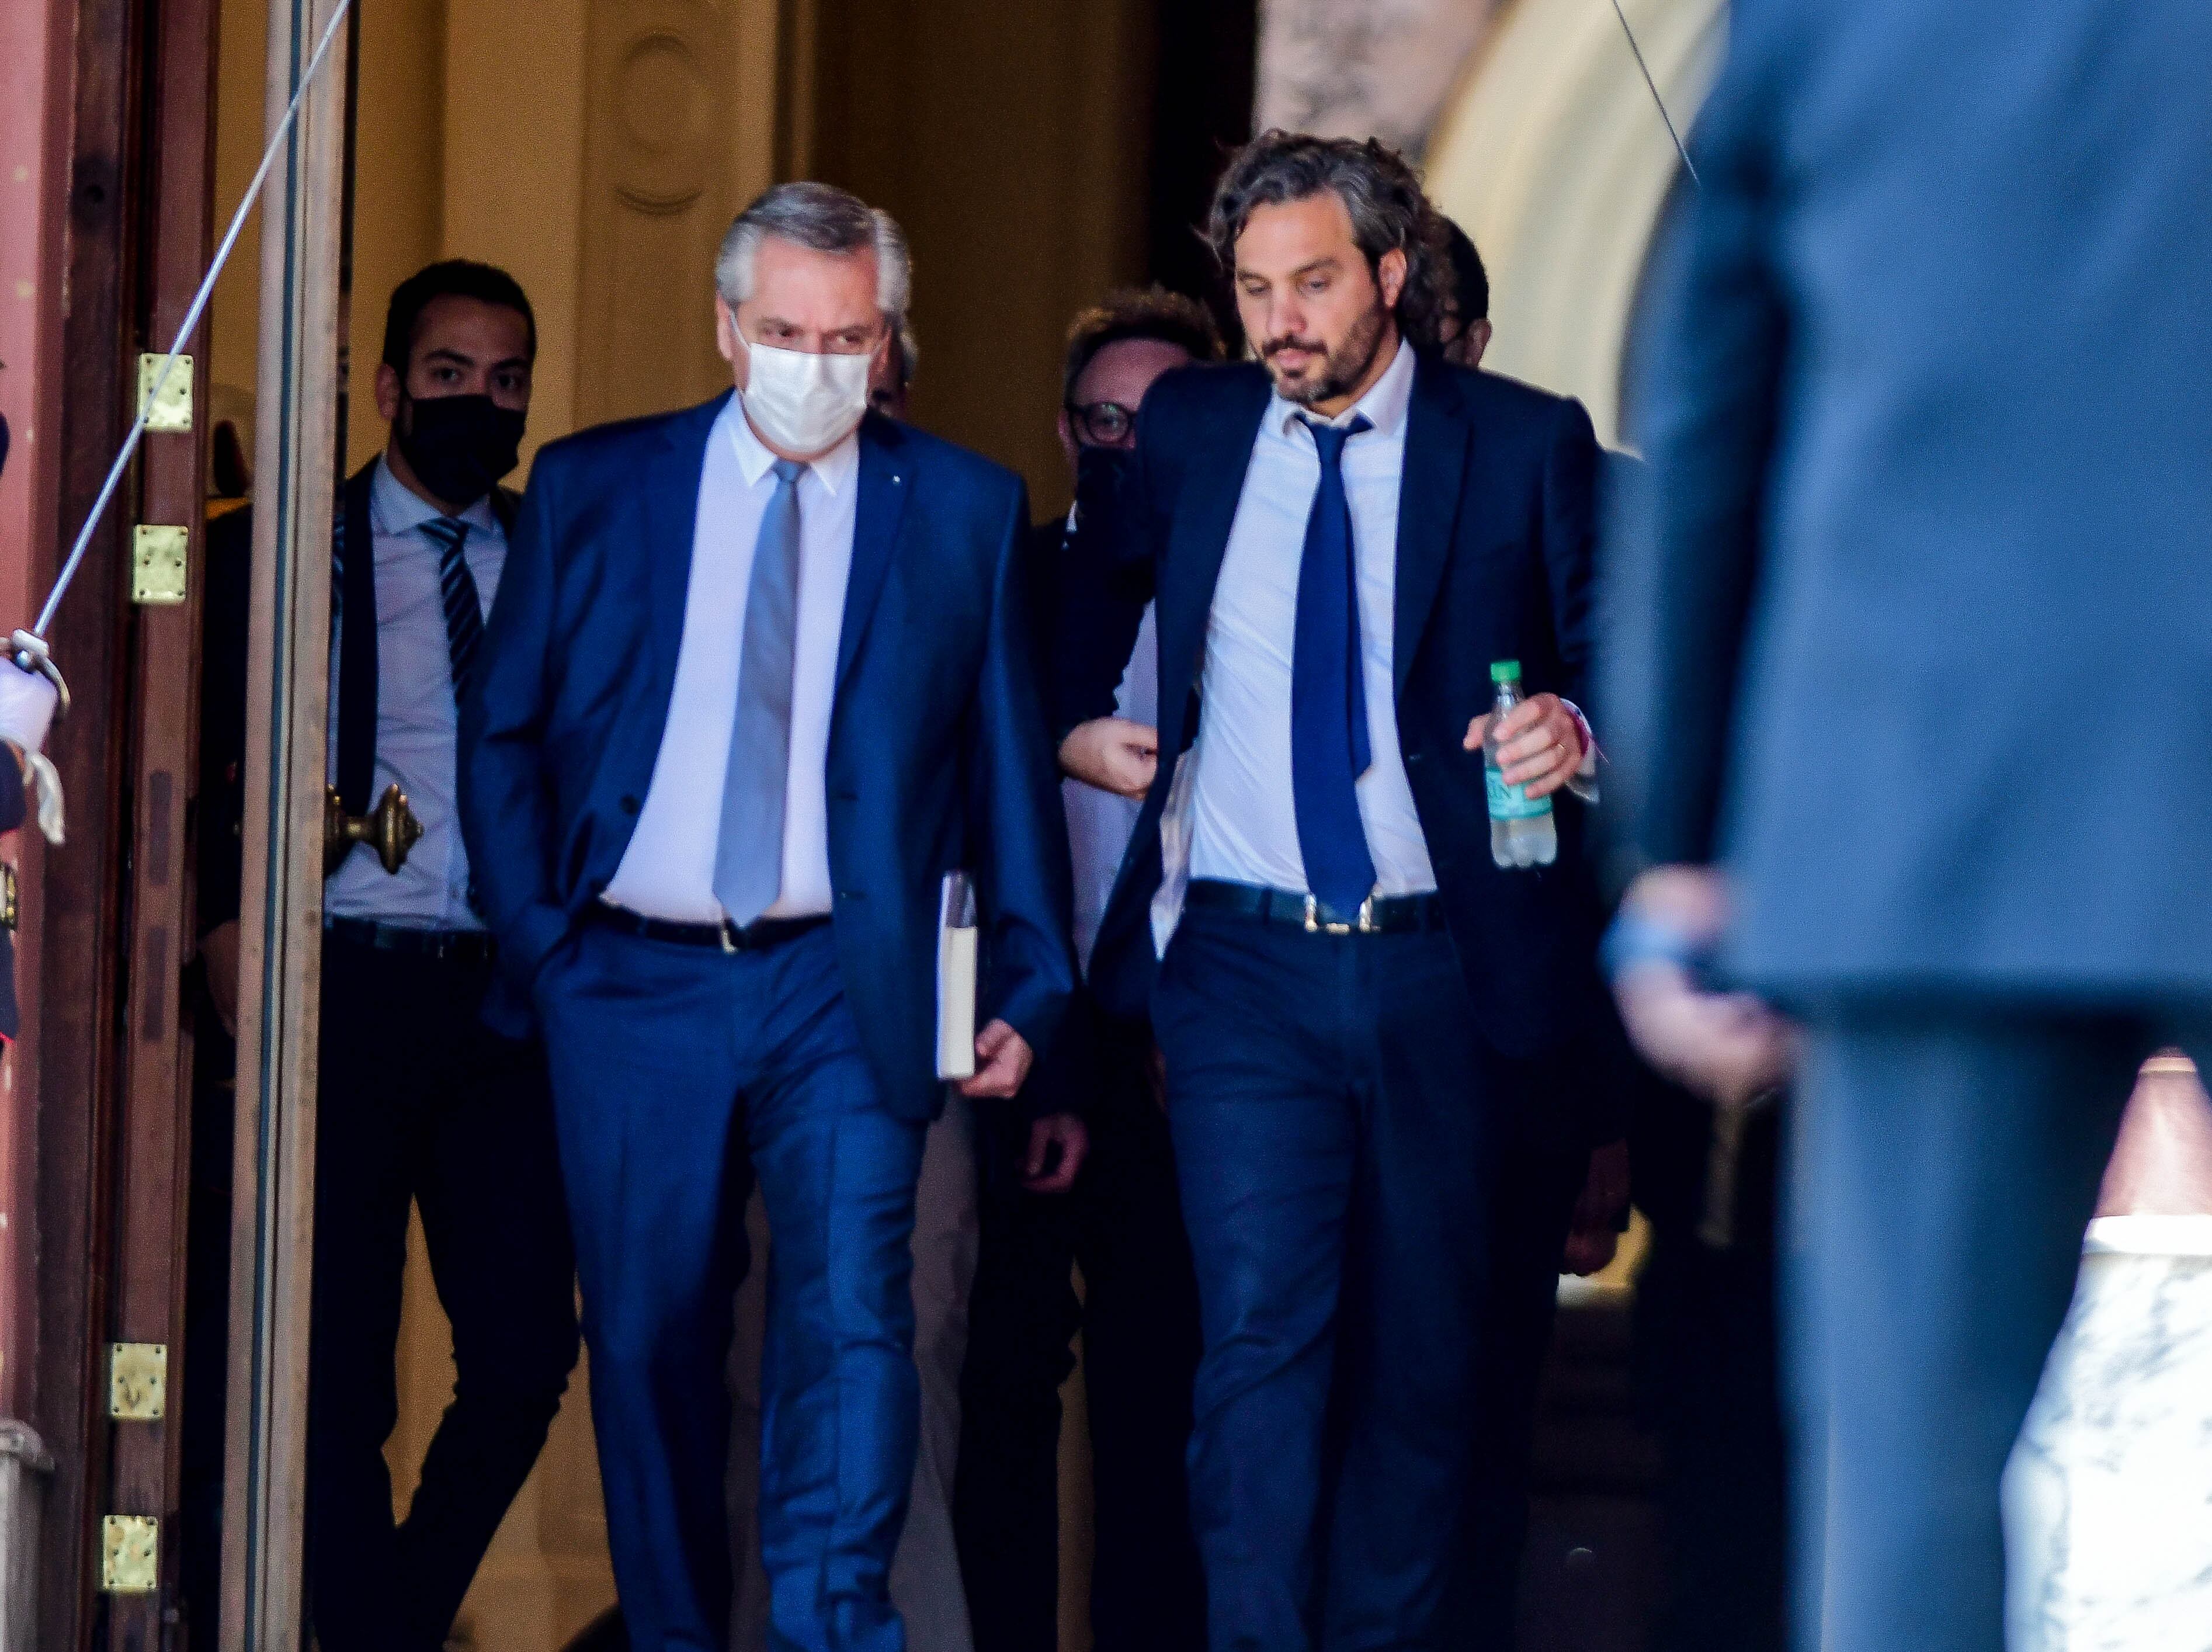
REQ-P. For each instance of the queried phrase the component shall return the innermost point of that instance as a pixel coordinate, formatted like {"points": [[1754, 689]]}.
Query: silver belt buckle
{"points": [[729, 935], [1367, 916], [1315, 927]]}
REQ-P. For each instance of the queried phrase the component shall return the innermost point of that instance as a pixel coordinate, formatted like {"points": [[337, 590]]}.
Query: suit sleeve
{"points": [[1686, 538], [1105, 586], [506, 812], [14, 808], [1097, 608], [226, 604], [1024, 879], [1570, 463]]}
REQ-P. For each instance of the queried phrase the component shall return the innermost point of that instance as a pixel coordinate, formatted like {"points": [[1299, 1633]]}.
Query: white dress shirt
{"points": [[415, 714], [1244, 826], [668, 871]]}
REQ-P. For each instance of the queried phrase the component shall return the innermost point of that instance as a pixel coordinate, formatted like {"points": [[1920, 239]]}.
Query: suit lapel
{"points": [[886, 479], [670, 496], [1437, 436], [354, 549], [1198, 540]]}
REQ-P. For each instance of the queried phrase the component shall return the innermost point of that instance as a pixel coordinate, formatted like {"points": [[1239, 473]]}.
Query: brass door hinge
{"points": [[137, 1380], [158, 578], [130, 1554], [174, 410]]}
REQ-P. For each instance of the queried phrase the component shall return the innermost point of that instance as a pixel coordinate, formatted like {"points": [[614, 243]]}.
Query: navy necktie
{"points": [[748, 859], [1329, 749], [457, 588]]}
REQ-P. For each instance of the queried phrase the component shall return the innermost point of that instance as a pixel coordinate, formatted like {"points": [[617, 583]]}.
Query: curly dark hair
{"points": [[1381, 191], [1150, 312]]}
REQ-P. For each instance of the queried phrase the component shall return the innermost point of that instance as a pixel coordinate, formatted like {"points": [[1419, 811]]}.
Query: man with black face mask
{"points": [[421, 1106]]}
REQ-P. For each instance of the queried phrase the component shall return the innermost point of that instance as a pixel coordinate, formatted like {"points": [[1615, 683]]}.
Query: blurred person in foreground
{"points": [[1908, 678], [1119, 1222]]}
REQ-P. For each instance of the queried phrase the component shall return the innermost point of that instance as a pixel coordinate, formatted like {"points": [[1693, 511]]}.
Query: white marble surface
{"points": [[2108, 1500]]}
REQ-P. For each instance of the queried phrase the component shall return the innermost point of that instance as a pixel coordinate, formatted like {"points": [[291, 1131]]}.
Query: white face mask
{"points": [[803, 402]]}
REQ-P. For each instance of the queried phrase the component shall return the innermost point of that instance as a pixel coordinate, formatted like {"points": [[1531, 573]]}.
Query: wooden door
{"points": [[153, 1063], [113, 905]]}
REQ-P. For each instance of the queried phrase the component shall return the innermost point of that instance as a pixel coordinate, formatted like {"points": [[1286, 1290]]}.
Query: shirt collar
{"points": [[833, 470], [395, 508], [1385, 404]]}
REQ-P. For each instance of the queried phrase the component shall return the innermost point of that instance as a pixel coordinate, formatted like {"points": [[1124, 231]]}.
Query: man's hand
{"points": [[1594, 1234], [1543, 744], [1113, 753], [1043, 1172], [1728, 1046], [1003, 1058], [219, 960]]}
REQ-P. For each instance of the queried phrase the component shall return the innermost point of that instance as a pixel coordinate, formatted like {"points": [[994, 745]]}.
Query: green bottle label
{"points": [[1512, 802]]}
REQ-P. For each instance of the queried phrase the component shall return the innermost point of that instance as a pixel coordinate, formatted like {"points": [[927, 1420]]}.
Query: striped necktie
{"points": [[457, 587]]}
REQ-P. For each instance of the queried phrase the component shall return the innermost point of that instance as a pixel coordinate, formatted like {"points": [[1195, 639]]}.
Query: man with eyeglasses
{"points": [[1118, 1219]]}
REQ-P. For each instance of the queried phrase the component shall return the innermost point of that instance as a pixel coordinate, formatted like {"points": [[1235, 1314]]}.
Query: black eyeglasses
{"points": [[1103, 424]]}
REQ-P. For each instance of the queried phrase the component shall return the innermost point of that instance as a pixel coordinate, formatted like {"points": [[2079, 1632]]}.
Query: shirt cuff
{"points": [[1585, 783]]}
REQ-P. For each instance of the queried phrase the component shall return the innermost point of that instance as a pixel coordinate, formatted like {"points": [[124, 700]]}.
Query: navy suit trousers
{"points": [[672, 1064], [1945, 1159], [423, 1106], [1338, 1125]]}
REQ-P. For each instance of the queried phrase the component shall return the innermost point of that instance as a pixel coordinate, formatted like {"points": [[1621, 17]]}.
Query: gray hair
{"points": [[1380, 192], [828, 220]]}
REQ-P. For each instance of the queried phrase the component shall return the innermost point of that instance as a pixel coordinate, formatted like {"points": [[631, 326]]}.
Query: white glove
{"points": [[26, 711], [26, 707]]}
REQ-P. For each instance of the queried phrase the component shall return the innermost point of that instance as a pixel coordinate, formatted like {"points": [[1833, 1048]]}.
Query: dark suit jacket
{"points": [[14, 809], [1912, 629], [227, 588], [1494, 542], [938, 757]]}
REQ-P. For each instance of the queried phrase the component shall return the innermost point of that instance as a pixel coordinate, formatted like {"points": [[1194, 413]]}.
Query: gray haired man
{"points": [[758, 677]]}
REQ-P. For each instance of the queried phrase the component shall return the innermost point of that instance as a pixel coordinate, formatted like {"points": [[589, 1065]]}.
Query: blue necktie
{"points": [[1329, 749], [457, 589], [749, 860]]}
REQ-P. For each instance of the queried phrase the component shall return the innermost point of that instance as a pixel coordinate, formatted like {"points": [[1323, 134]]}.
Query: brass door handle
{"points": [[390, 828]]}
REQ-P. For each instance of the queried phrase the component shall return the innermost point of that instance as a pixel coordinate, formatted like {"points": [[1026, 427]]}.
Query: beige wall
{"points": [[1554, 159], [1009, 137], [233, 315], [594, 149]]}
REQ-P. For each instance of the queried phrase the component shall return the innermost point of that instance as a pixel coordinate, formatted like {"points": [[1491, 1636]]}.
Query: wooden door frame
{"points": [[153, 1145], [88, 401], [288, 700], [132, 155]]}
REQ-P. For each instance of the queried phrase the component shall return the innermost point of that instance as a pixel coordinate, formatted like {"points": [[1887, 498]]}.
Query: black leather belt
{"points": [[756, 937], [466, 946], [1378, 914]]}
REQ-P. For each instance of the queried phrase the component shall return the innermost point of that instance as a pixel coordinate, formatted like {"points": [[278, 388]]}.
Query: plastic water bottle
{"points": [[1522, 830]]}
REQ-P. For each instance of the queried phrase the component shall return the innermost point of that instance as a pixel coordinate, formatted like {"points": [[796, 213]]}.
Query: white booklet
{"points": [[956, 977]]}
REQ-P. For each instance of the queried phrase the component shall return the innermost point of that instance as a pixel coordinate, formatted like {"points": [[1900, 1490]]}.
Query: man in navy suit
{"points": [[1909, 671], [758, 679], [1359, 1011]]}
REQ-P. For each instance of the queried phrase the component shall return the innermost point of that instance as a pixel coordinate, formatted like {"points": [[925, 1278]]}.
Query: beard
{"points": [[1337, 371]]}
